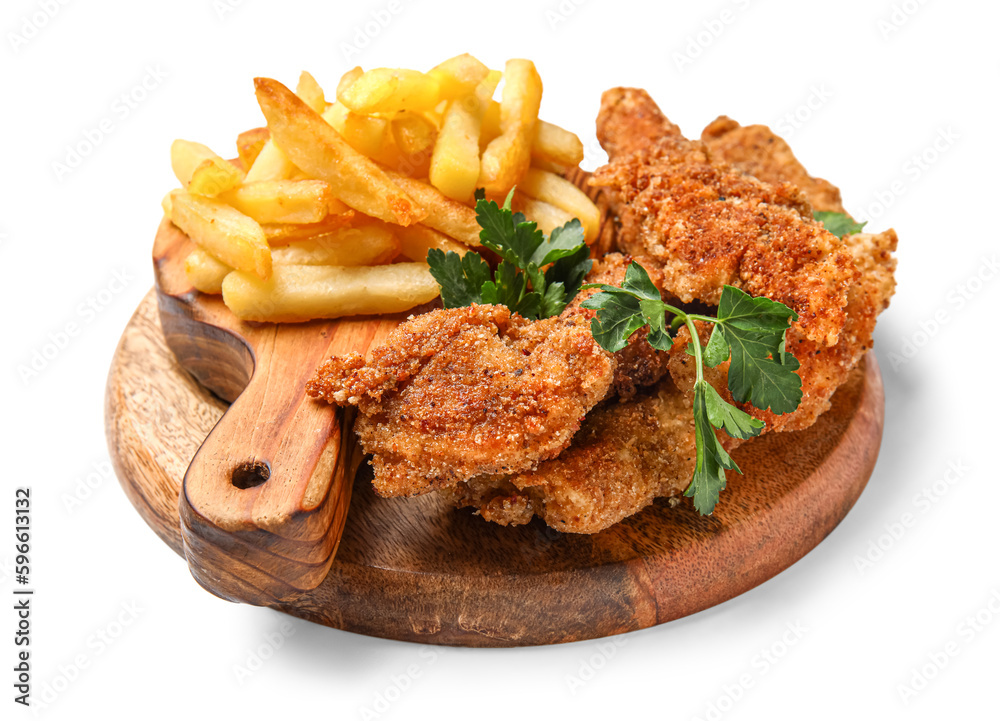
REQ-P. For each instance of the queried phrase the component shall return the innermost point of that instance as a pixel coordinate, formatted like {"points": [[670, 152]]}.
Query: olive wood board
{"points": [[418, 570]]}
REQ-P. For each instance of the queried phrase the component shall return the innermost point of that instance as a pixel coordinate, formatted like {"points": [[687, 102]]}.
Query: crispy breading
{"points": [[458, 393], [756, 150], [708, 225], [624, 456]]}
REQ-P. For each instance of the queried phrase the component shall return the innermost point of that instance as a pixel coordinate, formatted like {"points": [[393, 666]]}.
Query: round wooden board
{"points": [[418, 570]]}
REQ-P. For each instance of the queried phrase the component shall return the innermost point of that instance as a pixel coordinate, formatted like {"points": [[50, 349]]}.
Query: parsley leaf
{"points": [[461, 277], [840, 224], [748, 331], [537, 276]]}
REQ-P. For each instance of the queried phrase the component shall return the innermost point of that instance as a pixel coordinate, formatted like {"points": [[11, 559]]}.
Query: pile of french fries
{"points": [[331, 209]]}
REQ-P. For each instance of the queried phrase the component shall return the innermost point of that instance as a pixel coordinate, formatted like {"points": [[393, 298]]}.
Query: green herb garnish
{"points": [[840, 224], [749, 331], [520, 283]]}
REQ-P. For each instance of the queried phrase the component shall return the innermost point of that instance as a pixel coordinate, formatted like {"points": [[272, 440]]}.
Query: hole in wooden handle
{"points": [[251, 474]]}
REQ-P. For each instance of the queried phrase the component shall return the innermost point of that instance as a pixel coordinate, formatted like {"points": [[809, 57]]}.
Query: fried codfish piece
{"points": [[623, 457], [459, 393], [709, 225], [756, 150]]}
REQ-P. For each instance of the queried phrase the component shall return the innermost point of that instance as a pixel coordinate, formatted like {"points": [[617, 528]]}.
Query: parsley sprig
{"points": [[537, 275], [748, 331], [840, 224]]}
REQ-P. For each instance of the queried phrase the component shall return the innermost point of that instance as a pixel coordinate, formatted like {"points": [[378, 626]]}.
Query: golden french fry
{"points": [[557, 145], [310, 92], [458, 76], [205, 272], [548, 216], [249, 143], [549, 166], [364, 133], [313, 145], [270, 164], [507, 157], [282, 201], [368, 244], [449, 216], [200, 170], [389, 90], [415, 240], [348, 78], [414, 136], [454, 168], [296, 293], [556, 190], [167, 204], [222, 231], [552, 143], [279, 234]]}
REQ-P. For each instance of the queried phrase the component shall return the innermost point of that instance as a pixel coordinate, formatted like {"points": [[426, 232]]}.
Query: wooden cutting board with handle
{"points": [[256, 494]]}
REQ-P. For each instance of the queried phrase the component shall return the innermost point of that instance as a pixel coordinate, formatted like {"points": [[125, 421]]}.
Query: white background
{"points": [[886, 80]]}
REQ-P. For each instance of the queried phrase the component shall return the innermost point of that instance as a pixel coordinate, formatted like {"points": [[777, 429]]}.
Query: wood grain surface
{"points": [[418, 570]]}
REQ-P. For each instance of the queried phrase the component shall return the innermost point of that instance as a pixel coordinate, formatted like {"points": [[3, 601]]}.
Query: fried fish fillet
{"points": [[707, 224], [464, 392]]}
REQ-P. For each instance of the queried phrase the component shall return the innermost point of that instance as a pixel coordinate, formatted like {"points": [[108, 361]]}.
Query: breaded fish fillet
{"points": [[463, 392], [709, 225]]}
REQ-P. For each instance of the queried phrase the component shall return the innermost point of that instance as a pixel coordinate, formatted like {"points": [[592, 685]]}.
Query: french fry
{"points": [[549, 166], [297, 293], [249, 144], [313, 145], [552, 143], [282, 201], [414, 136], [449, 216], [310, 92], [459, 76], [557, 145], [364, 133], [167, 204], [205, 272], [389, 90], [556, 190], [348, 78], [200, 170], [222, 231], [454, 168], [548, 216], [507, 157], [369, 244], [416, 240], [270, 164], [279, 234]]}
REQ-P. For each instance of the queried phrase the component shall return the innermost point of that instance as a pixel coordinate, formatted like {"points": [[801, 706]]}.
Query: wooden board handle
{"points": [[270, 487]]}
